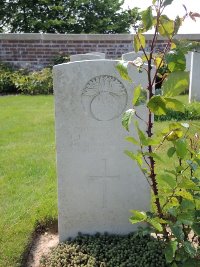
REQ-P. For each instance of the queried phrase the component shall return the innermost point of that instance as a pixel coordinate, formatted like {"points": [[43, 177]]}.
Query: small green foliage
{"points": [[175, 189], [176, 83], [100, 250], [140, 96], [147, 18], [127, 117], [123, 71]]}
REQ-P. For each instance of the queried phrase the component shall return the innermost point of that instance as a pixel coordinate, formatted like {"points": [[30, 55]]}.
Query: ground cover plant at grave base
{"points": [[175, 214], [104, 250]]}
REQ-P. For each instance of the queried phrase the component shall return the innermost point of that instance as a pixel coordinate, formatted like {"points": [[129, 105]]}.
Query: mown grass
{"points": [[27, 171], [28, 190]]}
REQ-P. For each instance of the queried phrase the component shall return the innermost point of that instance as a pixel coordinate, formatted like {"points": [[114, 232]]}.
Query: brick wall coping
{"points": [[82, 37]]}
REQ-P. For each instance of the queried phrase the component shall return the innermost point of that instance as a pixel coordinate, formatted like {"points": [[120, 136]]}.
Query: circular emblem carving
{"points": [[104, 98]]}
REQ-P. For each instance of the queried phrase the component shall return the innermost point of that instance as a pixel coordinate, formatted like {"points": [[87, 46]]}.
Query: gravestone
{"points": [[103, 55], [194, 89], [132, 56], [88, 56], [97, 184]]}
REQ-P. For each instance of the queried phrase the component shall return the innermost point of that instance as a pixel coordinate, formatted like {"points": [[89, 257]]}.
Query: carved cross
{"points": [[104, 177]]}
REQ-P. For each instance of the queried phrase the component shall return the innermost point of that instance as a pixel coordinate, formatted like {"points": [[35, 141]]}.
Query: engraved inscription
{"points": [[104, 98], [104, 177]]}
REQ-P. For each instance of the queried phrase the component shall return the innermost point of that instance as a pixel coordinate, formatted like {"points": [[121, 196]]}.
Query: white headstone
{"points": [[102, 55], [194, 89], [188, 57], [132, 56], [97, 184], [88, 56]]}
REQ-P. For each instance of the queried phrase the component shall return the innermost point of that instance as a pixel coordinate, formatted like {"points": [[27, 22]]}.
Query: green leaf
{"points": [[170, 250], [181, 148], [155, 223], [132, 140], [189, 248], [184, 194], [176, 61], [171, 152], [127, 117], [166, 26], [187, 205], [138, 216], [135, 157], [147, 18], [176, 83], [142, 136], [196, 228], [177, 231], [177, 24], [186, 217], [140, 96], [166, 179], [174, 104], [123, 71], [139, 40], [157, 105], [167, 2], [191, 263]]}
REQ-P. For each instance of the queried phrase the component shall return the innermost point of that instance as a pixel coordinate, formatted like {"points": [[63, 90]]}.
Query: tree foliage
{"points": [[65, 16]]}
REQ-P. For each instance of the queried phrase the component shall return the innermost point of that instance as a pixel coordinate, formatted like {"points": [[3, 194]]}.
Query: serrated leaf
{"points": [[196, 228], [139, 40], [176, 61], [132, 140], [138, 216], [191, 263], [184, 194], [166, 179], [176, 83], [166, 26], [181, 148], [158, 61], [177, 24], [142, 136], [123, 71], [189, 248], [155, 223], [186, 218], [170, 250], [157, 105], [167, 2], [177, 231], [142, 98], [174, 104], [171, 151], [147, 18], [127, 117]]}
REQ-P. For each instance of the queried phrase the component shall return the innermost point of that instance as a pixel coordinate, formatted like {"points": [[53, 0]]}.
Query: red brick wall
{"points": [[38, 50]]}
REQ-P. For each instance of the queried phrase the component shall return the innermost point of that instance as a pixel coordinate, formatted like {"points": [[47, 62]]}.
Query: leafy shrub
{"points": [[61, 58], [192, 112], [7, 85], [131, 250], [34, 83]]}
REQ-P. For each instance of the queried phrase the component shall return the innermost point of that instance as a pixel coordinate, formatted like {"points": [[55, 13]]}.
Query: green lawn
{"points": [[27, 170]]}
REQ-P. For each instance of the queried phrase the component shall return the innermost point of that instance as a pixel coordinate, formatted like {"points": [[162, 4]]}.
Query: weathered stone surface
{"points": [[88, 56], [97, 184], [132, 56], [194, 89], [102, 55]]}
